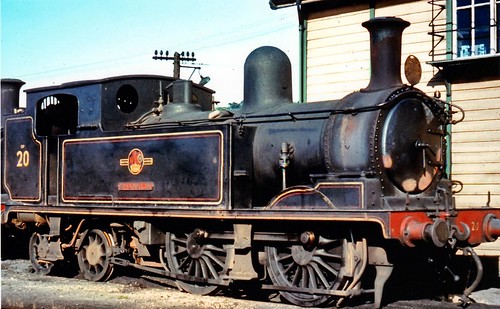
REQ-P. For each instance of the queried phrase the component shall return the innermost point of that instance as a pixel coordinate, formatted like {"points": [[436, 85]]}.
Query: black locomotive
{"points": [[304, 199]]}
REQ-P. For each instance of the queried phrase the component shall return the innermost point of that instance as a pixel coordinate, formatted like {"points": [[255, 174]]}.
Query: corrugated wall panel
{"points": [[463, 168], [474, 126], [476, 143], [359, 61], [475, 136], [476, 147], [472, 158], [478, 115], [337, 56]]}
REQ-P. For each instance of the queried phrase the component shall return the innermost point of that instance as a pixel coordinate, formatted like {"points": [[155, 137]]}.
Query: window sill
{"points": [[470, 69]]}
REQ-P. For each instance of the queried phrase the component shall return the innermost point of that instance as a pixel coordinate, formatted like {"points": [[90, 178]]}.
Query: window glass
{"points": [[477, 29], [464, 31], [482, 29], [498, 27]]}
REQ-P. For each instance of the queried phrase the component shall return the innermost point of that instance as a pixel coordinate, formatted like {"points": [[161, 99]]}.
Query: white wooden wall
{"points": [[337, 56], [476, 143]]}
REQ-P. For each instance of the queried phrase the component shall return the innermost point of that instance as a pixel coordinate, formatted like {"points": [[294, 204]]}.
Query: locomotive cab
{"points": [[76, 110], [109, 104]]}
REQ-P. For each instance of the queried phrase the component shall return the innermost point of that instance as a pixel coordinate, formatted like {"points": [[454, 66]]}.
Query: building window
{"points": [[476, 27]]}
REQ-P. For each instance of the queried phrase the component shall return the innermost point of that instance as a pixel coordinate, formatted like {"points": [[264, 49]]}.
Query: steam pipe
{"points": [[479, 275]]}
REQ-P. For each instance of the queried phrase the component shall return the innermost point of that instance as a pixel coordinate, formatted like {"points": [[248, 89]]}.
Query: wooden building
{"points": [[458, 45]]}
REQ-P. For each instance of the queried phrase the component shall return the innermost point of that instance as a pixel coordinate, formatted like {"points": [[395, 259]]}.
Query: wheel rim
{"points": [[37, 249], [94, 257], [307, 268], [186, 254]]}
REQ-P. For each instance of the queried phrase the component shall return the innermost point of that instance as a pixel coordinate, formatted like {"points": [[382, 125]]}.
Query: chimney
{"points": [[385, 52]]}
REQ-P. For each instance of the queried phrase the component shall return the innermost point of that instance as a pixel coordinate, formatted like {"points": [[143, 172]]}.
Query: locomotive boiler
{"points": [[304, 199]]}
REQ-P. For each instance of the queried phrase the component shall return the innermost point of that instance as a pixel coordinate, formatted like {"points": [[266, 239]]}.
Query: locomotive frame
{"points": [[297, 198]]}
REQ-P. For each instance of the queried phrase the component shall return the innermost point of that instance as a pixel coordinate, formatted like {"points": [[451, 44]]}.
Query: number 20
{"points": [[475, 225], [23, 158]]}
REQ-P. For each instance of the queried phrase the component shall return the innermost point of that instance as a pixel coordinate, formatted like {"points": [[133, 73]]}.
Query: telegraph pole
{"points": [[177, 58]]}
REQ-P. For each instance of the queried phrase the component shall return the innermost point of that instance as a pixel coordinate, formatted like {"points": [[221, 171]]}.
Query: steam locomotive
{"points": [[303, 199]]}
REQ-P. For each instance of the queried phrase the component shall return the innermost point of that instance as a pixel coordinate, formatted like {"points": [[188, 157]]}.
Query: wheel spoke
{"points": [[215, 259], [181, 253], [184, 263], [291, 267], [305, 281], [285, 257], [181, 242], [298, 276], [191, 267], [323, 253], [321, 276], [186, 255], [213, 248], [312, 277], [211, 267], [325, 266], [204, 267], [307, 268], [197, 268]]}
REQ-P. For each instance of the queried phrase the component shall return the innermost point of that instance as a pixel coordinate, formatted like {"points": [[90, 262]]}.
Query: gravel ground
{"points": [[21, 288]]}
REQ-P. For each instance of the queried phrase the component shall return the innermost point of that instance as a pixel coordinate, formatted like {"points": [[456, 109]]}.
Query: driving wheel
{"points": [[37, 249], [308, 269], [192, 255], [94, 257]]}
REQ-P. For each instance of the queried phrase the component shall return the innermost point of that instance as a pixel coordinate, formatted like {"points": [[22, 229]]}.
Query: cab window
{"points": [[57, 115]]}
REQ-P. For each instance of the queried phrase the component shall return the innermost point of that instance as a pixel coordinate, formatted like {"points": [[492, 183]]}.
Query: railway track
{"points": [[21, 288]]}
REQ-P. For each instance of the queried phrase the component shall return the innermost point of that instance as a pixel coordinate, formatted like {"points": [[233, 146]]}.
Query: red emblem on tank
{"points": [[136, 161]]}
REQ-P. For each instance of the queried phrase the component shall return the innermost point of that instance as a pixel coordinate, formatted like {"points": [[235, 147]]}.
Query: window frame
{"points": [[494, 42]]}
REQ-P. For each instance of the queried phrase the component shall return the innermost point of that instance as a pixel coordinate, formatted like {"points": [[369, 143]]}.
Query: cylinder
{"points": [[385, 52], [267, 79]]}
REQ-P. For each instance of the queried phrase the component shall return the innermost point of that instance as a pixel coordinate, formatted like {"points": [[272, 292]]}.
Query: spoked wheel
{"points": [[37, 249], [191, 255], [94, 257], [320, 267]]}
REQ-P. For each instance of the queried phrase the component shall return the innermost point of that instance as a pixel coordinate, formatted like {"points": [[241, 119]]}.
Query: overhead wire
{"points": [[257, 28]]}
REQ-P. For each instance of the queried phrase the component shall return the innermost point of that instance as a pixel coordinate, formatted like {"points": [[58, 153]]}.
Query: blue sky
{"points": [[47, 42]]}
